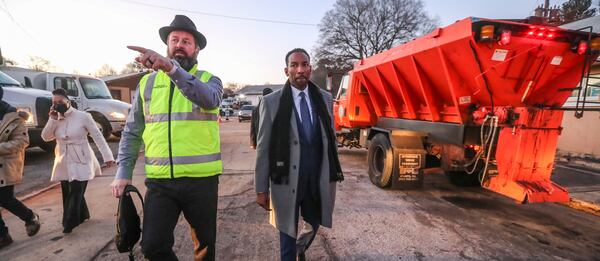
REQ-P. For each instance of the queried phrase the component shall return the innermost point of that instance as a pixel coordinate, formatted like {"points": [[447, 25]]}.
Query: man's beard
{"points": [[186, 62]]}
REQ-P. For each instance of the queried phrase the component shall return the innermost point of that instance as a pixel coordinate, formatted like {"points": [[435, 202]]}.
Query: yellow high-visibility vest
{"points": [[181, 139]]}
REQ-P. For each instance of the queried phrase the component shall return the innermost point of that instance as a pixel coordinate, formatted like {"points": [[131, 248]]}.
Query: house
{"points": [[253, 93], [578, 142], [122, 87]]}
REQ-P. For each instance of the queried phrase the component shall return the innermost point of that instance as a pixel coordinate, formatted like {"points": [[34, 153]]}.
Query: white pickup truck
{"points": [[35, 102], [89, 93]]}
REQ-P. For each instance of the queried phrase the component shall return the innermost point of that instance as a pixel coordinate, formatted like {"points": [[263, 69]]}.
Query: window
{"points": [[94, 89], [5, 80], [68, 84], [116, 94], [593, 89], [343, 86]]}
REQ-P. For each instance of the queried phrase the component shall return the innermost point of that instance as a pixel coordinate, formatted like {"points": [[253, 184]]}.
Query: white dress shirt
{"points": [[296, 94]]}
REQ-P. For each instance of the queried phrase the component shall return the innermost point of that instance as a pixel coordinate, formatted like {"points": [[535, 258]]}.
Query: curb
{"points": [[44, 189], [584, 206], [37, 192]]}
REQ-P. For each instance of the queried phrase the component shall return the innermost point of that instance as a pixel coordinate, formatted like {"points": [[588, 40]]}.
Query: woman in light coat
{"points": [[75, 162]]}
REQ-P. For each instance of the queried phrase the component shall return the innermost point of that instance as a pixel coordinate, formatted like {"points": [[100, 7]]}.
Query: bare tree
{"points": [[9, 62], [233, 86], [133, 67], [228, 92], [105, 70], [39, 64], [324, 68], [574, 10], [355, 29]]}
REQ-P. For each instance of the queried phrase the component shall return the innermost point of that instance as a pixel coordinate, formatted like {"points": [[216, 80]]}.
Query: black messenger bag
{"points": [[128, 222]]}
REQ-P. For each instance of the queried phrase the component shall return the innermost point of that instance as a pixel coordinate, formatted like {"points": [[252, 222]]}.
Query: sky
{"points": [[82, 35]]}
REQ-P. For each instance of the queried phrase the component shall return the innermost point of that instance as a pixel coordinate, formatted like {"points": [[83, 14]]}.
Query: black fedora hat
{"points": [[182, 23]]}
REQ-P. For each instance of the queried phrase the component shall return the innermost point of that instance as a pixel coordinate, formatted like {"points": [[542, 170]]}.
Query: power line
{"points": [[12, 18], [222, 15]]}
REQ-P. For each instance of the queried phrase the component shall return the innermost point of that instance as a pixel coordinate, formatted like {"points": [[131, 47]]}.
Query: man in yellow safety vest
{"points": [[175, 113]]}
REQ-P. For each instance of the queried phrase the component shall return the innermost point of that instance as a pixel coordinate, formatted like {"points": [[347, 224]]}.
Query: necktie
{"points": [[305, 116]]}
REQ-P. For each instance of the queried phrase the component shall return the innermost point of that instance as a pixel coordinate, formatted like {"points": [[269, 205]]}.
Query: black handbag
{"points": [[128, 222]]}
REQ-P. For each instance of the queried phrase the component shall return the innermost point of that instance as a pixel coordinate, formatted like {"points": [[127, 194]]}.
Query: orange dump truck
{"points": [[481, 98]]}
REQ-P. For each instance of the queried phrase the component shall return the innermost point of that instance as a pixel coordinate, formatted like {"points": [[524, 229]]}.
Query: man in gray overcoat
{"points": [[297, 163]]}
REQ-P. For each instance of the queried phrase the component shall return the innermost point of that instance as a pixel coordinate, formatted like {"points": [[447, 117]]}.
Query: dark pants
{"points": [[10, 203], [165, 199], [289, 247], [75, 209]]}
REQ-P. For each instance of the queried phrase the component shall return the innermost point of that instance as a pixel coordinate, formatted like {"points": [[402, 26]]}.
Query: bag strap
{"points": [[131, 188], [128, 188]]}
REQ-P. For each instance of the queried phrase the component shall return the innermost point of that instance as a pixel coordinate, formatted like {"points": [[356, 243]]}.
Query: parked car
{"points": [[36, 103], [245, 113], [239, 104], [227, 101], [225, 110], [89, 93]]}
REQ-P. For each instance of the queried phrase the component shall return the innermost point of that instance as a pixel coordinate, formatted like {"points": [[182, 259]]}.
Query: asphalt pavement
{"points": [[438, 222]]}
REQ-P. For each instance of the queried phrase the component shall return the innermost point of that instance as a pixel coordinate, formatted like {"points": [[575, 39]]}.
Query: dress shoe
{"points": [[5, 241], [67, 230], [33, 226]]}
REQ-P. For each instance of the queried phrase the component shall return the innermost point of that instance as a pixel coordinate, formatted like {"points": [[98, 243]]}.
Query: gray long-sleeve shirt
{"points": [[206, 95]]}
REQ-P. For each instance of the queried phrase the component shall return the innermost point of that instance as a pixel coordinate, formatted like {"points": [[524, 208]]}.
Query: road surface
{"points": [[439, 222]]}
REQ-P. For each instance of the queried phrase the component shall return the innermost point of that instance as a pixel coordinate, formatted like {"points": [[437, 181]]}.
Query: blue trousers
{"points": [[289, 246]]}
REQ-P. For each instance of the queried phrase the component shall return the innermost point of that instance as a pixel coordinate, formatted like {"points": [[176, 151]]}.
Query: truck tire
{"points": [[103, 125], [463, 179], [48, 147], [380, 159]]}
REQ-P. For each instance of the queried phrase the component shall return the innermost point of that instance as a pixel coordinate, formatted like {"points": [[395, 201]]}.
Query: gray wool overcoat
{"points": [[283, 196]]}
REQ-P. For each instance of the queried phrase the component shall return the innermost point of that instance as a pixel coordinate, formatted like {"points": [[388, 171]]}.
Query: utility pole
{"points": [[550, 14]]}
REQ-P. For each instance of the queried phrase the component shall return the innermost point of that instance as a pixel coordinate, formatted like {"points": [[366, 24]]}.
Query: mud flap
{"points": [[409, 159]]}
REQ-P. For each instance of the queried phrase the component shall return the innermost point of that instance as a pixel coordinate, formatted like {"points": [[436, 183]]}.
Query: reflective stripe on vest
{"points": [[183, 159], [195, 143], [182, 116]]}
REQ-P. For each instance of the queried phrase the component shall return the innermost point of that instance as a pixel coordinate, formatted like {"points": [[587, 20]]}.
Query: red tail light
{"points": [[582, 48], [505, 37], [541, 33]]}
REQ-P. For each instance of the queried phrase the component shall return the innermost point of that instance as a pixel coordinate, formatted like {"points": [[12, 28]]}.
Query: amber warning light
{"points": [[595, 44], [487, 33]]}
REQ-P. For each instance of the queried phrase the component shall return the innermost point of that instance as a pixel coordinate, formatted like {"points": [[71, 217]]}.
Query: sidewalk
{"points": [[85, 241]]}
